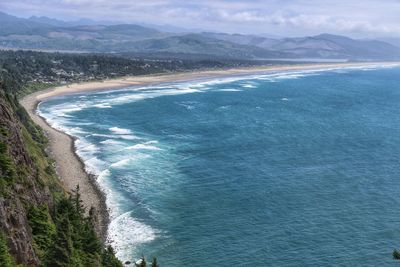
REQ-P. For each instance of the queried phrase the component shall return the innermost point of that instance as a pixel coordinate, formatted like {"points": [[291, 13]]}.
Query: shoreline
{"points": [[160, 78], [70, 167]]}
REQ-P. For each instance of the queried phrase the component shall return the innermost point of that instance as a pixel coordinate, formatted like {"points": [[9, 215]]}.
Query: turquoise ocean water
{"points": [[279, 169]]}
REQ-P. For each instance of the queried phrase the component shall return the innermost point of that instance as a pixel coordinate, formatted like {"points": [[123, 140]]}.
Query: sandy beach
{"points": [[61, 146]]}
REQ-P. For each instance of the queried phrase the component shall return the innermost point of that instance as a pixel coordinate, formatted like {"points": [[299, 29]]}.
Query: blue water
{"points": [[290, 169]]}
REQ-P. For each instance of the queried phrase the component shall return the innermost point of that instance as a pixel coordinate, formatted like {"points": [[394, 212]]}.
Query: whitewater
{"points": [[275, 168]]}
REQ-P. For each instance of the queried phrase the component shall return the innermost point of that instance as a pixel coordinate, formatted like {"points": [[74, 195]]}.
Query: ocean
{"points": [[297, 168]]}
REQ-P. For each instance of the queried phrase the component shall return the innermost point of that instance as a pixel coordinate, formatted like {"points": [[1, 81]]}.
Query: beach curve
{"points": [[71, 169]]}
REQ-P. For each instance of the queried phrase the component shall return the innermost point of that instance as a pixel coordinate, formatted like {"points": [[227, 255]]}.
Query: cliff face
{"points": [[22, 185], [40, 223]]}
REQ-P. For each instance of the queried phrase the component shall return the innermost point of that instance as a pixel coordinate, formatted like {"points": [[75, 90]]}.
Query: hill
{"points": [[42, 33]]}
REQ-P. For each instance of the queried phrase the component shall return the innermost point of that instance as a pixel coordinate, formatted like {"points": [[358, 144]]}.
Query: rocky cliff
{"points": [[22, 184], [40, 223]]}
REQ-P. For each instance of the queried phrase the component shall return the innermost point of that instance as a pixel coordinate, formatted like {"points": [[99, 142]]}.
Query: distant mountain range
{"points": [[42, 33]]}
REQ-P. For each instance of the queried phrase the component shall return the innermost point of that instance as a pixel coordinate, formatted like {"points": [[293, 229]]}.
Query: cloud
{"points": [[286, 17]]}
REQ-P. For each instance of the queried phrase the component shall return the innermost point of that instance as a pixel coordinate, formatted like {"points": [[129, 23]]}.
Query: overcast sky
{"points": [[358, 18]]}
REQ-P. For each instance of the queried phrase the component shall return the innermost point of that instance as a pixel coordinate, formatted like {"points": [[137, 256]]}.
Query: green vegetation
{"points": [[24, 72], [396, 254], [74, 243], [5, 257], [43, 228], [6, 167], [143, 263], [57, 233]]}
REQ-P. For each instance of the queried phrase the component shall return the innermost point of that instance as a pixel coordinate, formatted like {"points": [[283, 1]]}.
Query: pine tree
{"points": [[109, 259], [396, 254], [60, 254], [77, 201], [5, 257], [90, 243], [43, 229], [154, 263]]}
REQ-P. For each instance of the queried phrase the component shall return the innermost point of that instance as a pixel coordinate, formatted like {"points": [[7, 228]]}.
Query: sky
{"points": [[357, 18]]}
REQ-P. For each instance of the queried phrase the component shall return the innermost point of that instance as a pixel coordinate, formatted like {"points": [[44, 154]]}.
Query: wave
{"points": [[125, 231], [249, 86], [94, 165], [118, 136], [229, 90], [126, 162], [121, 131], [144, 146], [110, 142], [102, 106], [134, 94], [121, 163], [189, 105]]}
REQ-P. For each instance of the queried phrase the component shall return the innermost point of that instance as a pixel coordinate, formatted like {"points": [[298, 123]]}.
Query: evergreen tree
{"points": [[396, 254], [77, 201], [5, 257], [109, 259], [43, 229], [90, 243], [154, 263], [60, 254]]}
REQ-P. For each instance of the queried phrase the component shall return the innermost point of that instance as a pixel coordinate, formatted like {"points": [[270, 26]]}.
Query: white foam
{"points": [[121, 163], [102, 106], [144, 146], [229, 90], [126, 232], [119, 136], [110, 142], [285, 99], [106, 135], [224, 107], [121, 131], [188, 105], [83, 146], [151, 142], [94, 165], [126, 162], [129, 137], [77, 130], [249, 86]]}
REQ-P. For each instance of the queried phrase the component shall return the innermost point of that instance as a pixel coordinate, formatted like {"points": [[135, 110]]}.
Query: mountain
{"points": [[334, 46], [13, 25], [324, 46], [198, 44], [44, 33], [242, 39], [391, 40], [62, 23]]}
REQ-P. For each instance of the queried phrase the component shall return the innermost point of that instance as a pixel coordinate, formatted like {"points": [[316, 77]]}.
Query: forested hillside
{"points": [[40, 223], [28, 70]]}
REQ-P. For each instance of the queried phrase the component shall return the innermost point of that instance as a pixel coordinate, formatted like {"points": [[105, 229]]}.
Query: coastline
{"points": [[155, 79], [71, 169]]}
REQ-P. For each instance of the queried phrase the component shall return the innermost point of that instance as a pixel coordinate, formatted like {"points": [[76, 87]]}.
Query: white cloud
{"points": [[368, 17]]}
